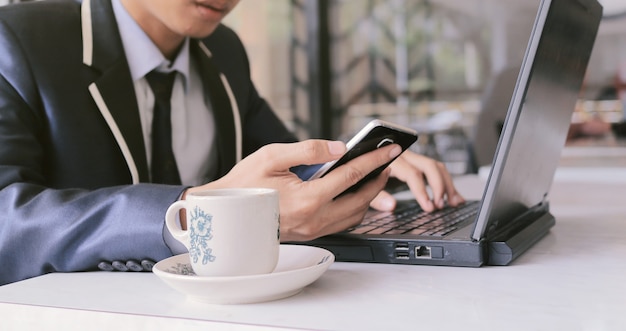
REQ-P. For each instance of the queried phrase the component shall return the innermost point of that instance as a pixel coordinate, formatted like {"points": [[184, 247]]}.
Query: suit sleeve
{"points": [[45, 229]]}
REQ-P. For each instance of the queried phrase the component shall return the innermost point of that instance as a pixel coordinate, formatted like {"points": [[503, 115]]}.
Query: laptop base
{"points": [[403, 251], [500, 251], [504, 251]]}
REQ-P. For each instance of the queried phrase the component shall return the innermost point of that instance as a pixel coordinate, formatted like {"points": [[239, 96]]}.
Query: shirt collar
{"points": [[141, 53]]}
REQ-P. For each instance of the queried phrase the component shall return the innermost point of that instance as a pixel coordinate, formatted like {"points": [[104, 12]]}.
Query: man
{"points": [[77, 174]]}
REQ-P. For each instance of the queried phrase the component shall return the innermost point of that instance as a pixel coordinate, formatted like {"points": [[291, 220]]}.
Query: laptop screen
{"points": [[540, 110]]}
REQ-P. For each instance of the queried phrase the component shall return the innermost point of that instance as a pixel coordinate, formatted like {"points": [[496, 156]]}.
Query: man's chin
{"points": [[203, 32]]}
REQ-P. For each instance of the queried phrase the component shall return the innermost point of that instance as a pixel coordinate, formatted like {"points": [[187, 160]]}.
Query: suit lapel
{"points": [[225, 109], [113, 91]]}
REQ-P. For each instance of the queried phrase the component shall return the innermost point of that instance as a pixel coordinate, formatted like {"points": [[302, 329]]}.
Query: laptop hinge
{"points": [[510, 244]]}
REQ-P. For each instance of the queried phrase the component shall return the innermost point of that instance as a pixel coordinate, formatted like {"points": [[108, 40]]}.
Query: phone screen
{"points": [[305, 172]]}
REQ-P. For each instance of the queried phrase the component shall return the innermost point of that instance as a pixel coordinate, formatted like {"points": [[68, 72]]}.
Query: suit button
{"points": [[133, 265], [147, 264], [105, 266], [120, 266]]}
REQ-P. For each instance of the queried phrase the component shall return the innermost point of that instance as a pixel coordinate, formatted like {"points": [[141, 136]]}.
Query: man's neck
{"points": [[168, 42]]}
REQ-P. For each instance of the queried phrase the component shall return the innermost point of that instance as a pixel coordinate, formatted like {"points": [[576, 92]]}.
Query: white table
{"points": [[574, 279]]}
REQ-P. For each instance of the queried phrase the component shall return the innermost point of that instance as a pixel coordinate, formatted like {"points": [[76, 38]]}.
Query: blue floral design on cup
{"points": [[201, 232]]}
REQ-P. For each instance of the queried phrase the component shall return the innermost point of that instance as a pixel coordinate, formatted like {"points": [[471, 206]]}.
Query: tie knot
{"points": [[161, 84]]}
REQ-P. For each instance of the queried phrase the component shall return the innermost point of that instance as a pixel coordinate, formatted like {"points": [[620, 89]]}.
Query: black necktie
{"points": [[164, 169]]}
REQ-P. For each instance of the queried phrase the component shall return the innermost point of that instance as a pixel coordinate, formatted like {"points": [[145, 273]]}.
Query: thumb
{"points": [[312, 151]]}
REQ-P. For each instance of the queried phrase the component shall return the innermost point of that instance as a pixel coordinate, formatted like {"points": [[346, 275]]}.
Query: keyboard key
{"points": [[363, 229], [416, 231]]}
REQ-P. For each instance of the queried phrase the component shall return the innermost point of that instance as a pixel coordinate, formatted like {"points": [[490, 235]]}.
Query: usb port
{"points": [[402, 255], [423, 252], [402, 246]]}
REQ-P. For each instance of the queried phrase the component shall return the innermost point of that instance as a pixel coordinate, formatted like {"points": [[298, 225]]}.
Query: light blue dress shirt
{"points": [[193, 126]]}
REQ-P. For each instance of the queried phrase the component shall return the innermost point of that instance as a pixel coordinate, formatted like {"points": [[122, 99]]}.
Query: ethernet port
{"points": [[422, 252]]}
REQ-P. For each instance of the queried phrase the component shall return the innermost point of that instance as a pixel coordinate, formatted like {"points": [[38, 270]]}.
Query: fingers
{"points": [[351, 207], [434, 173], [442, 185], [315, 218], [453, 196], [417, 170], [414, 178], [344, 176]]}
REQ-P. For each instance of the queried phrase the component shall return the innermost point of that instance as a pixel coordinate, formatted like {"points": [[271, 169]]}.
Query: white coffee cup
{"points": [[230, 232]]}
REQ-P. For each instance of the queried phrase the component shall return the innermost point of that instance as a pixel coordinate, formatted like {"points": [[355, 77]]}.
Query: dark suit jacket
{"points": [[73, 167]]}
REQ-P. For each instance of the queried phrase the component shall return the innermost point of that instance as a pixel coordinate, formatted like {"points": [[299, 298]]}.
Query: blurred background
{"points": [[329, 66]]}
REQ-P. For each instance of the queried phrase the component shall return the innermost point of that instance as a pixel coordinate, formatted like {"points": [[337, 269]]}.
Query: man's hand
{"points": [[418, 172], [308, 209]]}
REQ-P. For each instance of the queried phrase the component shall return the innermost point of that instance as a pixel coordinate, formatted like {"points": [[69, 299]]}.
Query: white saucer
{"points": [[298, 266]]}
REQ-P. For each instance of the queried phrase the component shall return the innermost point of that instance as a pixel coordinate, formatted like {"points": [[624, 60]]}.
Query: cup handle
{"points": [[171, 221]]}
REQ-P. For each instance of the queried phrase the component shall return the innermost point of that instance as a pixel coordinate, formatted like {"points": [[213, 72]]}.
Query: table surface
{"points": [[573, 279]]}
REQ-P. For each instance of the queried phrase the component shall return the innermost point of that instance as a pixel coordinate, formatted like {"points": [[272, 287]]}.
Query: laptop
{"points": [[514, 212]]}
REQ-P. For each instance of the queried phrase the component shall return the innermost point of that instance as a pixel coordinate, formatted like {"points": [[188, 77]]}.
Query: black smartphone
{"points": [[377, 133]]}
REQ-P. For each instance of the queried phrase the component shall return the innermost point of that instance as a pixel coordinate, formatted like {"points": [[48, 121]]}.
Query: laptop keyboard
{"points": [[411, 219]]}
